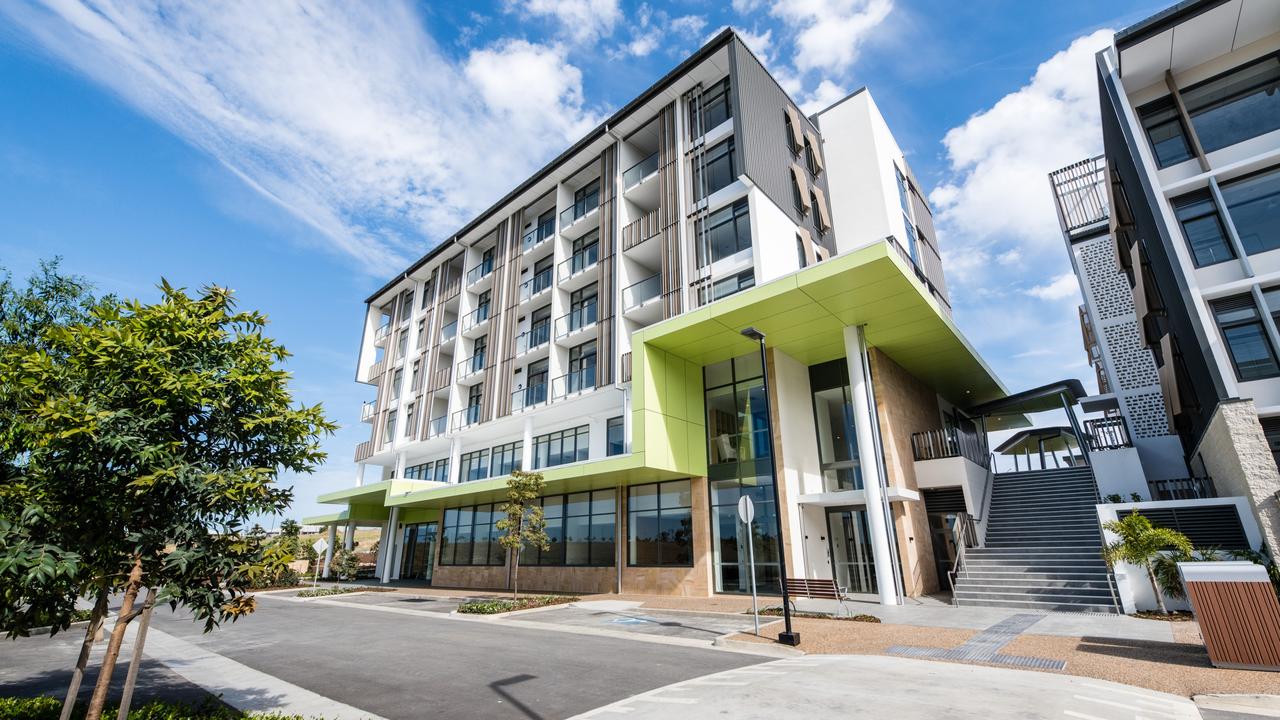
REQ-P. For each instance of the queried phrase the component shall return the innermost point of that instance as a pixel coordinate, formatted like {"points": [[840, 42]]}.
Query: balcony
{"points": [[579, 263], [475, 274], [637, 299], [625, 374], [448, 332], [580, 217], [367, 412], [535, 285], [452, 287], [470, 366], [377, 369], [440, 379], [576, 321], [535, 337], [436, 427], [1107, 433], [382, 333], [531, 396], [574, 383], [1193, 488], [949, 443], [1080, 191], [536, 236], [637, 173], [466, 417], [364, 451], [474, 319], [642, 229]]}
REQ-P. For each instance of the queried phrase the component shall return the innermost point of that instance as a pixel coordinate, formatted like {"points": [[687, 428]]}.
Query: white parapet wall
{"points": [[1119, 472], [1132, 584]]}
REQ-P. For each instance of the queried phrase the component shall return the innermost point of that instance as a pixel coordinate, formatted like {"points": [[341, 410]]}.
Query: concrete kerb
{"points": [[742, 648], [1246, 705]]}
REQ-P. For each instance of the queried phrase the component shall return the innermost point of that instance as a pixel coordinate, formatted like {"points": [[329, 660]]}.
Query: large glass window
{"points": [[1203, 228], [1254, 205], [389, 428], [561, 447], [440, 473], [615, 441], [1241, 326], [737, 420], [660, 524], [580, 528], [470, 536], [833, 413], [711, 109], [505, 459], [1164, 130], [727, 286], [729, 535], [474, 465], [582, 367], [723, 233], [715, 170]]}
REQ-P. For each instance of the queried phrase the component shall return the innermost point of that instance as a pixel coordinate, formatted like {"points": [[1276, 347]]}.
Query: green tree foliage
{"points": [[524, 525], [290, 528], [1140, 543], [346, 564], [141, 439]]}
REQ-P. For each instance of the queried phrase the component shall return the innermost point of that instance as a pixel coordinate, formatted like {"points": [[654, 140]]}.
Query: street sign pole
{"points": [[747, 513]]}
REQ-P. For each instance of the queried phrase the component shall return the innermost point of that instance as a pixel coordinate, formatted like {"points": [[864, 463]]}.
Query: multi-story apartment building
{"points": [[1182, 274], [588, 326]]}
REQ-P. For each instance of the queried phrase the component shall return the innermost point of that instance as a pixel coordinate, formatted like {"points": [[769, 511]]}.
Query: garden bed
{"points": [[341, 590], [49, 708], [494, 606], [860, 617], [1173, 616]]}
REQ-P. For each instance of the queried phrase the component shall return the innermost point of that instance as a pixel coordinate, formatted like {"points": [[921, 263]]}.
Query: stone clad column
{"points": [[872, 482], [388, 544]]}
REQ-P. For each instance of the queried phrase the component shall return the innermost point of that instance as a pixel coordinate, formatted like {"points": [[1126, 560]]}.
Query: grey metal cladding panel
{"points": [[761, 132]]}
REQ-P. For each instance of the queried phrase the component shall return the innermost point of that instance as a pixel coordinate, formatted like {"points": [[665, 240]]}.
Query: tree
{"points": [[290, 528], [524, 524], [346, 564], [1140, 543], [143, 438]]}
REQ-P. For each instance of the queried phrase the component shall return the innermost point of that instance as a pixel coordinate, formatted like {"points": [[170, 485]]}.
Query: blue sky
{"points": [[302, 153]]}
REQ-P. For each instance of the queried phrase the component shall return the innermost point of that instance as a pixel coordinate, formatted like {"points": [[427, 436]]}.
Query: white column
{"points": [[328, 552], [388, 545], [400, 463], [349, 539], [626, 417], [526, 449], [872, 482], [455, 459]]}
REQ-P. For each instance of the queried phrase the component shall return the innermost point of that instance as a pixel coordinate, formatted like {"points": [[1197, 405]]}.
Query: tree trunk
{"points": [[131, 679], [77, 675], [1151, 576], [515, 575], [99, 700]]}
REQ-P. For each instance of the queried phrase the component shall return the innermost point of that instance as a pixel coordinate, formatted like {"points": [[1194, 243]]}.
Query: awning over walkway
{"points": [[1009, 412], [1049, 439]]}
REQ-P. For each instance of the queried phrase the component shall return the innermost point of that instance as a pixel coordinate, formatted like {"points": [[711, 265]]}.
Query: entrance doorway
{"points": [[851, 558], [419, 548]]}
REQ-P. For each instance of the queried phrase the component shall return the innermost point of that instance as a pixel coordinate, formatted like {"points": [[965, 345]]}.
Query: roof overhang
{"points": [[804, 315], [1189, 34], [1048, 438], [1010, 412]]}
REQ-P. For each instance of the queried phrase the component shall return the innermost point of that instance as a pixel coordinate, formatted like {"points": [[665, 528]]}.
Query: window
{"points": [[582, 309], [441, 471], [478, 349], [422, 333], [474, 396], [737, 426], [535, 389], [660, 524], [542, 274], [406, 305], [614, 436], [482, 306], [421, 471], [1231, 108], [408, 419], [505, 458], [1203, 229], [725, 232], [714, 171], [1164, 130], [711, 109], [416, 375], [581, 529], [539, 326], [800, 253], [474, 465], [470, 536], [726, 287], [811, 158], [546, 224], [389, 427], [729, 552], [402, 343], [397, 380], [1254, 205], [1246, 338], [560, 447], [582, 367], [833, 415], [586, 198]]}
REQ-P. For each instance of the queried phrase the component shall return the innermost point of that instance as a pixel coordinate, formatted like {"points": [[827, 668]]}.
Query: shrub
{"points": [[500, 605], [776, 611], [48, 708], [325, 592]]}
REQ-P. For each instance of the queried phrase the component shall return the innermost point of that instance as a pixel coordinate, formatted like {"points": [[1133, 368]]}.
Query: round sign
{"points": [[746, 509]]}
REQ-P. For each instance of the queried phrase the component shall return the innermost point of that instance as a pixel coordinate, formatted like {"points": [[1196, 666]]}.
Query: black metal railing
{"points": [[1107, 433], [1192, 488], [949, 443]]}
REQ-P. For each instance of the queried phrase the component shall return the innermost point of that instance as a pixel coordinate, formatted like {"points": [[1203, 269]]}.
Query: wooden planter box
{"points": [[1238, 612]]}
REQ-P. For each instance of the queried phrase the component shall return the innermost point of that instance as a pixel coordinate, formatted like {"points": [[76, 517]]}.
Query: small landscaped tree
{"points": [[137, 442], [1140, 543], [524, 524]]}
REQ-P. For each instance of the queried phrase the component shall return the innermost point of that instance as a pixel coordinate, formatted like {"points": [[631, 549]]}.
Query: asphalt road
{"points": [[403, 666]]}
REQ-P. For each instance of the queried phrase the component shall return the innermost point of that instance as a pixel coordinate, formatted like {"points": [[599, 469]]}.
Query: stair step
{"points": [[1107, 609], [1061, 595], [1012, 574], [1021, 582]]}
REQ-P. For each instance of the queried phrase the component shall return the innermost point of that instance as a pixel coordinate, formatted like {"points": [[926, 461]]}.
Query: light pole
{"points": [[787, 637]]}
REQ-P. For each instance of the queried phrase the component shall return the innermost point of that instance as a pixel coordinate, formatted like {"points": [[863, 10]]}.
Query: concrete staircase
{"points": [[1043, 548]]}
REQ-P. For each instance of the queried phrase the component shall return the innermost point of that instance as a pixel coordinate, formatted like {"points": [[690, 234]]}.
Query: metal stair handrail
{"points": [[963, 532]]}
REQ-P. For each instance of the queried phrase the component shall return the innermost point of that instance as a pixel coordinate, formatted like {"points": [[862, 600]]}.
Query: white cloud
{"points": [[759, 42], [351, 119], [998, 227], [689, 25], [582, 20], [1061, 288], [830, 33], [822, 97]]}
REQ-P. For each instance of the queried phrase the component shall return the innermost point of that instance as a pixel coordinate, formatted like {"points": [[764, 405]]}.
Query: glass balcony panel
{"points": [[449, 331], [640, 171], [484, 268], [535, 394], [638, 293], [576, 320], [580, 261], [437, 426], [575, 382]]}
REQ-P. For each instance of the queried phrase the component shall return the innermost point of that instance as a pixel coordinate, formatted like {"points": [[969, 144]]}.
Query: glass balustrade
{"points": [[535, 284], [639, 293], [574, 382], [640, 171], [576, 320], [535, 394], [580, 261]]}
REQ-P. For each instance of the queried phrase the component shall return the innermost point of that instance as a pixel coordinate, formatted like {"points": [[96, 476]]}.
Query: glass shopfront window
{"points": [[418, 546], [470, 536], [837, 439], [660, 524], [581, 529]]}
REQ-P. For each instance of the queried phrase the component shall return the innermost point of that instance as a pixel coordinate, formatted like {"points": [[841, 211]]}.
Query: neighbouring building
{"points": [[1174, 234]]}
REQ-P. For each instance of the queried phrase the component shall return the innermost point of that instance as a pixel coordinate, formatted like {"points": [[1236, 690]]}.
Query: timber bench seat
{"points": [[816, 589]]}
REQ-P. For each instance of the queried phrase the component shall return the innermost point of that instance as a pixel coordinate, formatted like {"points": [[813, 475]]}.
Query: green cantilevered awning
{"points": [[802, 314]]}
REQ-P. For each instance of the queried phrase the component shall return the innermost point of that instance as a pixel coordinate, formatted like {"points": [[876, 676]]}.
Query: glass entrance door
{"points": [[850, 549], [942, 528], [419, 548]]}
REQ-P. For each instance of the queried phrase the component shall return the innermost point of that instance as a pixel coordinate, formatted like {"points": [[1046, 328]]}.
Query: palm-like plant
{"points": [[1140, 543]]}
